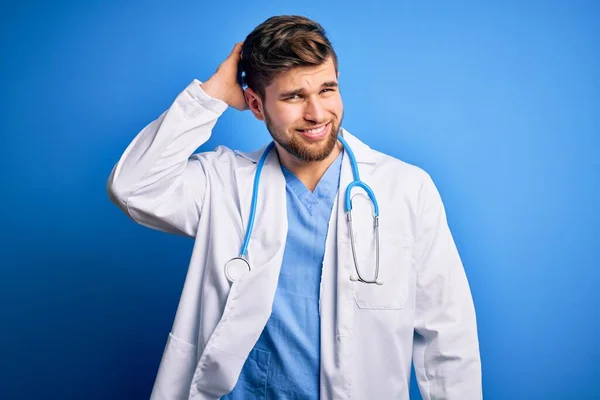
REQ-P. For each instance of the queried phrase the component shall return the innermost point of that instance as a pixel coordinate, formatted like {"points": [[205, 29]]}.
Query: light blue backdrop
{"points": [[500, 103]]}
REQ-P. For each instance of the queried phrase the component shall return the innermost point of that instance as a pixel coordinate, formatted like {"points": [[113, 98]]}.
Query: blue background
{"points": [[498, 102]]}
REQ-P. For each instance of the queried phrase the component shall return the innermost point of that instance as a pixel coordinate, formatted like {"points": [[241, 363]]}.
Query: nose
{"points": [[314, 110]]}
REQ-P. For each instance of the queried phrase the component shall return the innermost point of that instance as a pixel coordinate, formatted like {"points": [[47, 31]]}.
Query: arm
{"points": [[155, 182], [446, 347]]}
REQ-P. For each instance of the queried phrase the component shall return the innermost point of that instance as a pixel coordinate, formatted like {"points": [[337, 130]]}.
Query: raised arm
{"points": [[158, 181]]}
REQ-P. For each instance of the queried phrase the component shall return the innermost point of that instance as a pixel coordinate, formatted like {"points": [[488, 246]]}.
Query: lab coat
{"points": [[369, 333]]}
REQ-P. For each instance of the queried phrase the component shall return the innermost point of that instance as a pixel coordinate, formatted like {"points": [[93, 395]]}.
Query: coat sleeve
{"points": [[446, 346], [159, 181]]}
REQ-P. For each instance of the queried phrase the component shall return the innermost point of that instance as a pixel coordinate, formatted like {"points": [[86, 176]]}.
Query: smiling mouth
{"points": [[316, 133]]}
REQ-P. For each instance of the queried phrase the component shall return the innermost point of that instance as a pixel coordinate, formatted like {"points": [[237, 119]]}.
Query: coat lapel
{"points": [[244, 176], [249, 303], [337, 335]]}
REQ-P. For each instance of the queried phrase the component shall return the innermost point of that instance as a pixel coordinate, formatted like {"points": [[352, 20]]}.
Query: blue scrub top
{"points": [[285, 362]]}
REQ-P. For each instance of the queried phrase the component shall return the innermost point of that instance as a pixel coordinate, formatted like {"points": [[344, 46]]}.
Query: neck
{"points": [[309, 173]]}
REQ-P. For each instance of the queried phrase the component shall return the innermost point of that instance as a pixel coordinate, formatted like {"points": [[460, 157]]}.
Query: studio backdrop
{"points": [[498, 102]]}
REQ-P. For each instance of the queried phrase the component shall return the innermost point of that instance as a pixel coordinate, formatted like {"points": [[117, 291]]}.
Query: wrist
{"points": [[214, 89]]}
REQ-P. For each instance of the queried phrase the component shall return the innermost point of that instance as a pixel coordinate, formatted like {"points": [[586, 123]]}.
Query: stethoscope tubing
{"points": [[347, 205]]}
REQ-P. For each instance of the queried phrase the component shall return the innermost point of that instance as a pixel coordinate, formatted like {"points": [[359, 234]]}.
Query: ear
{"points": [[254, 103]]}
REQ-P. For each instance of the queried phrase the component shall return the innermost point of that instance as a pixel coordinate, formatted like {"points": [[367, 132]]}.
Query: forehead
{"points": [[304, 77]]}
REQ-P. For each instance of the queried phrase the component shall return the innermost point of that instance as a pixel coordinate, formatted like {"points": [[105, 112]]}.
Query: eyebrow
{"points": [[291, 93]]}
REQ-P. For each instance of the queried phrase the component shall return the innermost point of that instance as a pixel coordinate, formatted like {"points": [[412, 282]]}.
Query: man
{"points": [[326, 308]]}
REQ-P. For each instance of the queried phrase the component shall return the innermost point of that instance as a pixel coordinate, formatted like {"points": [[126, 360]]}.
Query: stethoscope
{"points": [[237, 266]]}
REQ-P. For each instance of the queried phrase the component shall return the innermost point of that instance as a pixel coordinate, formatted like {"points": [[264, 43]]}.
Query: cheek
{"points": [[335, 106], [287, 116]]}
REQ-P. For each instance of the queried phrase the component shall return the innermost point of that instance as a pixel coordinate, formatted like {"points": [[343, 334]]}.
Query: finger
{"points": [[237, 49]]}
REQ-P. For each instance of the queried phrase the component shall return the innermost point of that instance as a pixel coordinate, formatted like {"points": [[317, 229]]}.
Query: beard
{"points": [[302, 149]]}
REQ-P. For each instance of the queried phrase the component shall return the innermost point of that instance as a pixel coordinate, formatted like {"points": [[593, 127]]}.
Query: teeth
{"points": [[314, 131]]}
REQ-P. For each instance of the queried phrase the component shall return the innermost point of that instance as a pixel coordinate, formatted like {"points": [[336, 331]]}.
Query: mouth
{"points": [[315, 133]]}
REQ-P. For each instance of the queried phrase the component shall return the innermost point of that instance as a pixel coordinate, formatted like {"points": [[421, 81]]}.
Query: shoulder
{"points": [[401, 173], [385, 167]]}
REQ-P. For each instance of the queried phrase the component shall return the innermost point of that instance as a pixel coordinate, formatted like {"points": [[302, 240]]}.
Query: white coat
{"points": [[369, 333]]}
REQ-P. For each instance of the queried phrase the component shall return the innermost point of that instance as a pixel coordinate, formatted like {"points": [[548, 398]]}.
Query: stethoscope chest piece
{"points": [[236, 267]]}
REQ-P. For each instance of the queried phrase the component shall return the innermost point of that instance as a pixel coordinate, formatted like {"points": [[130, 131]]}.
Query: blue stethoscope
{"points": [[237, 266]]}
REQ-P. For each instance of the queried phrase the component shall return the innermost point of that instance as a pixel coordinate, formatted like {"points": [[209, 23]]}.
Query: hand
{"points": [[223, 85]]}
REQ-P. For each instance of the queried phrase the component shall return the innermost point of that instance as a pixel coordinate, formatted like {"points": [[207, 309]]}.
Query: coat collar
{"points": [[363, 153]]}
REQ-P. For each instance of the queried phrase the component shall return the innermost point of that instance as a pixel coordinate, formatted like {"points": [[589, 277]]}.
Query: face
{"points": [[302, 110]]}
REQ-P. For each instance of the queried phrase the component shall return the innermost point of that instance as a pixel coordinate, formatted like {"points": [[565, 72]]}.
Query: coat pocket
{"points": [[252, 382], [176, 369], [395, 263]]}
